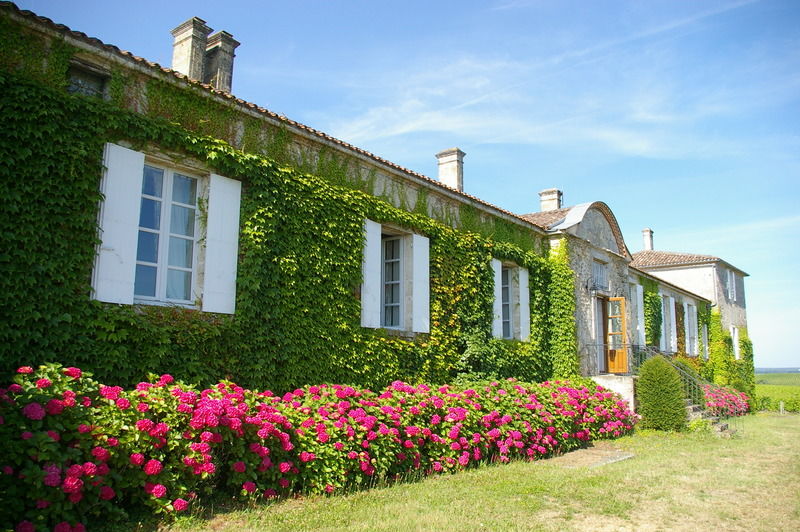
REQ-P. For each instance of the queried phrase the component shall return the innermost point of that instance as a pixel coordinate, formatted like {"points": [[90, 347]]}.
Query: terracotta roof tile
{"points": [[155, 66], [652, 258], [546, 219]]}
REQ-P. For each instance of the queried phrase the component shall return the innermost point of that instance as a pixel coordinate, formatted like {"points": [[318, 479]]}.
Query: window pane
{"points": [[391, 293], [614, 308], [504, 275], [148, 247], [179, 285], [184, 189], [391, 316], [153, 181], [506, 295], [506, 329], [182, 221], [145, 283], [150, 214], [391, 249], [615, 325], [391, 271], [180, 252]]}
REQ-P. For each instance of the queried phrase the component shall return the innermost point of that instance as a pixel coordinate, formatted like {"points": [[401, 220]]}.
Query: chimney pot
{"points": [[647, 235], [550, 199], [189, 47], [451, 168]]}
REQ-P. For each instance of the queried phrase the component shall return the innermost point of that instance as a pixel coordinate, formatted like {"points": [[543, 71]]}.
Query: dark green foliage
{"points": [[659, 393], [297, 320]]}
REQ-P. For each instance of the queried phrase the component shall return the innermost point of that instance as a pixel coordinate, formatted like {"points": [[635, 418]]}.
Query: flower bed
{"points": [[722, 401], [77, 450]]}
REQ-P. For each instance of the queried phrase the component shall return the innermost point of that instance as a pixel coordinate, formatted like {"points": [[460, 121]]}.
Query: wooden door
{"points": [[617, 349]]}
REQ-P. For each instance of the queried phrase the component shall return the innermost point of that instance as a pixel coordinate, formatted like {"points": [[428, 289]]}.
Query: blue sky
{"points": [[682, 116]]}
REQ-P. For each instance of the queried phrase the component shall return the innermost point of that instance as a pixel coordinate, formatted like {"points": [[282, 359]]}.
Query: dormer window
{"points": [[83, 79]]}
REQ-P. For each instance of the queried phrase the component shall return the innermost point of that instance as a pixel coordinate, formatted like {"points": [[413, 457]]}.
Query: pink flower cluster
{"points": [[317, 439], [723, 401]]}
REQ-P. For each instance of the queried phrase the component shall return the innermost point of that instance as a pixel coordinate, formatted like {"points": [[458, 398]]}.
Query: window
{"points": [[86, 80], [505, 289], [731, 285], [511, 302], [599, 275], [395, 292], [392, 281], [154, 248], [166, 258]]}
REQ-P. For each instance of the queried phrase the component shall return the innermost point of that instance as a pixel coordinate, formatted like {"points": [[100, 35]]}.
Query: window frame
{"points": [[165, 236], [400, 281], [90, 70], [600, 275]]}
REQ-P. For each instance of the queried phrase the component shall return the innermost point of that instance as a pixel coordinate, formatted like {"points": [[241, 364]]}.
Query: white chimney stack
{"points": [[550, 199], [189, 47], [647, 235], [451, 168], [204, 58]]}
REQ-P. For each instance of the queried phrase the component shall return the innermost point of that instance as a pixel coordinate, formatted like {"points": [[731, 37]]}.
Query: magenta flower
{"points": [[239, 467], [33, 411], [101, 453], [43, 383], [180, 505], [72, 485], [137, 459], [307, 457], [54, 407], [249, 487], [153, 467], [75, 373], [25, 369], [107, 493], [159, 490]]}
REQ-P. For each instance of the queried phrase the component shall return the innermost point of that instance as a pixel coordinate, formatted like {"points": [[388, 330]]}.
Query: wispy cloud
{"points": [[608, 95]]}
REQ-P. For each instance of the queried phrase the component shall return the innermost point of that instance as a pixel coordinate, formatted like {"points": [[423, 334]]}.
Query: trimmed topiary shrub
{"points": [[660, 395]]}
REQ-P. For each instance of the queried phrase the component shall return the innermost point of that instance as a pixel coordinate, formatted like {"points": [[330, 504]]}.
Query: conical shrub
{"points": [[660, 396]]}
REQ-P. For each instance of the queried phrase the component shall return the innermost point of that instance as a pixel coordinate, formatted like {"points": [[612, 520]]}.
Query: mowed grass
{"points": [[686, 481]]}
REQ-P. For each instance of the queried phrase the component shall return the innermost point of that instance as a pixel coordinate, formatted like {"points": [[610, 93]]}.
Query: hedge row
{"points": [[77, 450]]}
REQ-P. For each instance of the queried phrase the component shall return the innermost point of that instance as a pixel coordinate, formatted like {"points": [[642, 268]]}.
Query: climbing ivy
{"points": [[652, 311], [680, 320], [297, 319]]}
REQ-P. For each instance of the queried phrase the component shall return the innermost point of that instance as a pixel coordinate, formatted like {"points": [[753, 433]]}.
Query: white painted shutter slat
{"points": [[673, 326], [497, 307], [524, 305], [420, 283], [371, 272], [640, 325], [687, 329], [222, 245], [115, 264]]}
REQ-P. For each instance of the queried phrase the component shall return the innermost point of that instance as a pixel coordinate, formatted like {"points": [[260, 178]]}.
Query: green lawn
{"points": [[687, 481]]}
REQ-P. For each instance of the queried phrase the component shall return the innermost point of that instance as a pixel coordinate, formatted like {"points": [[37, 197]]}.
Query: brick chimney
{"points": [[647, 236], [451, 168], [550, 199], [189, 47], [218, 71]]}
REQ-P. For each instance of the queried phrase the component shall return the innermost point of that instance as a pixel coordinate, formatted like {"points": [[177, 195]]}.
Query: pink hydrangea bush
{"points": [[722, 401], [80, 448]]}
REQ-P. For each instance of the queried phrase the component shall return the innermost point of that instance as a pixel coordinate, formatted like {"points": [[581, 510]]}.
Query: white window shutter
{"points": [[524, 305], [222, 245], [115, 264], [371, 272], [640, 325], [686, 328], [420, 284], [662, 342], [673, 328], [497, 308]]}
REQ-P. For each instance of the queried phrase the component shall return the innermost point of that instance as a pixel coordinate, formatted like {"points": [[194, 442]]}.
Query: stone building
{"points": [[140, 262]]}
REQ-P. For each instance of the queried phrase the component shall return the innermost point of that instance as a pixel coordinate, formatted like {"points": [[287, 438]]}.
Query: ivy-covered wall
{"points": [[297, 317], [652, 311]]}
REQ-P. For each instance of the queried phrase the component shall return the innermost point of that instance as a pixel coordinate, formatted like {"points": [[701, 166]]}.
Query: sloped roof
{"points": [[650, 259], [178, 76], [562, 219], [547, 219]]}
